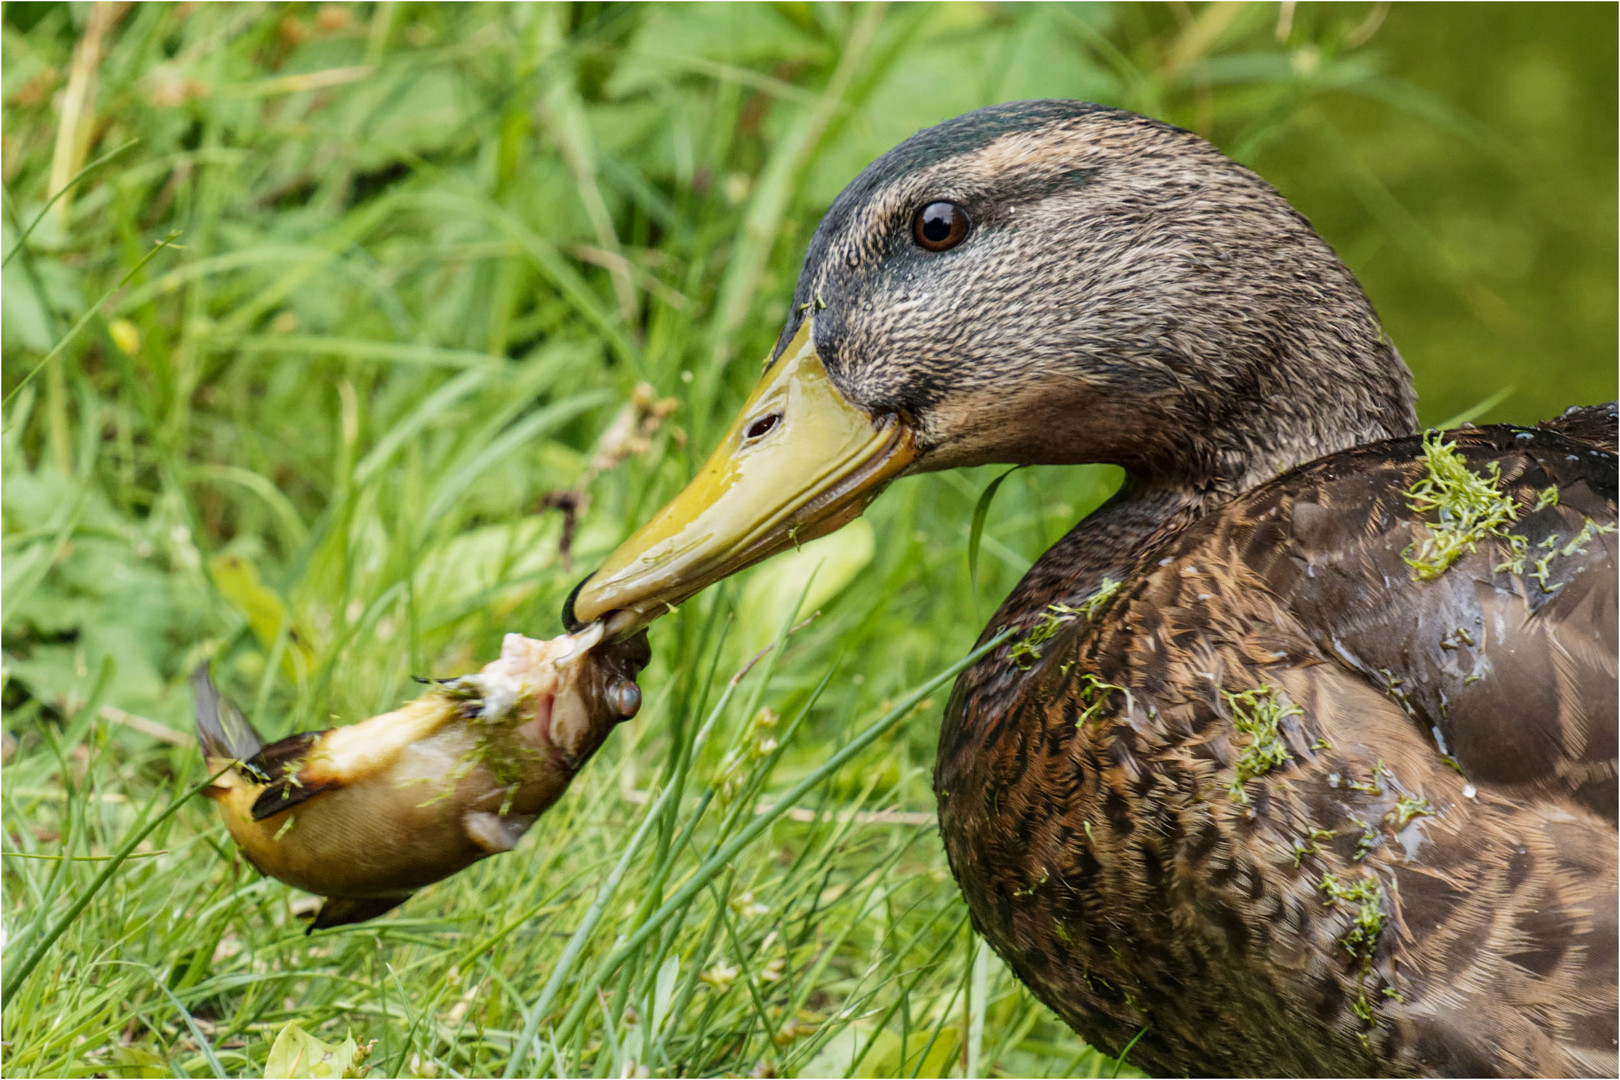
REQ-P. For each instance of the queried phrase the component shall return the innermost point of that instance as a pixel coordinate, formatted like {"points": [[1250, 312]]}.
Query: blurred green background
{"points": [[337, 304]]}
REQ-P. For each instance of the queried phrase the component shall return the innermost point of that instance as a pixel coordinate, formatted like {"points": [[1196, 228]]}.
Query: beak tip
{"points": [[570, 622]]}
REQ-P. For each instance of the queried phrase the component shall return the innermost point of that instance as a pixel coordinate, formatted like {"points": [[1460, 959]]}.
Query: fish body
{"points": [[367, 814]]}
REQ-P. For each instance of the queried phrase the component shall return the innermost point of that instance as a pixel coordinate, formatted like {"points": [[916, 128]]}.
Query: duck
{"points": [[1296, 757], [367, 814]]}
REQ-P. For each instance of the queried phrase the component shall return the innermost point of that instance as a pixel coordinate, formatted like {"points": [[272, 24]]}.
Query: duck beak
{"points": [[800, 461]]}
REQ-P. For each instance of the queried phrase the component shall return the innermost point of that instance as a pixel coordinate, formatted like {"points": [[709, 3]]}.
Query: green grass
{"points": [[339, 297]]}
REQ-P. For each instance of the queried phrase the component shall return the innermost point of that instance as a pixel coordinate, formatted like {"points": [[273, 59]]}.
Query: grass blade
{"points": [[981, 510], [90, 313], [61, 191], [17, 974]]}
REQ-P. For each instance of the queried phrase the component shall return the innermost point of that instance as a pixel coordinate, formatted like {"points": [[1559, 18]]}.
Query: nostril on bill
{"points": [[763, 426]]}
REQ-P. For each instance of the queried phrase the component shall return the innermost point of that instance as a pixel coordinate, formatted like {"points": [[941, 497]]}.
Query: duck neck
{"points": [[1161, 497], [1271, 413], [1265, 409], [1149, 508], [1103, 546], [1327, 381]]}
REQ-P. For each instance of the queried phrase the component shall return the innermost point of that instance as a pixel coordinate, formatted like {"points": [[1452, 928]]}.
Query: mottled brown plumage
{"points": [[1259, 784], [1108, 861]]}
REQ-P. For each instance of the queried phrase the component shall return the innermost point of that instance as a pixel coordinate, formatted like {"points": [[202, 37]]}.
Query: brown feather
{"points": [[284, 767], [1598, 425]]}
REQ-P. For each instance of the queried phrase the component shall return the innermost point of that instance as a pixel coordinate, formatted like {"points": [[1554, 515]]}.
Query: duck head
{"points": [[1044, 282]]}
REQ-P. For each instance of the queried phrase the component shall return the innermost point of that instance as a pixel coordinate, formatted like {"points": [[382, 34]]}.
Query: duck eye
{"points": [[763, 426], [940, 226]]}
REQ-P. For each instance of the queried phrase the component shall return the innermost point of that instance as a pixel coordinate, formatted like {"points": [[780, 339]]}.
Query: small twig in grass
{"points": [[913, 818], [161, 732], [630, 433], [572, 504]]}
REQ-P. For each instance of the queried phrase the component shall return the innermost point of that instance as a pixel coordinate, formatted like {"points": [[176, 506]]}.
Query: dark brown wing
{"points": [[1506, 663], [1512, 672], [283, 767], [1501, 902]]}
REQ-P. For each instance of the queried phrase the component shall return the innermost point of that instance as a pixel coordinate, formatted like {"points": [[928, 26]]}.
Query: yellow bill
{"points": [[799, 462]]}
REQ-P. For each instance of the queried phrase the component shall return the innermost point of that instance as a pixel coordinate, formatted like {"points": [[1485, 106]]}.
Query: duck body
{"points": [[1107, 855], [1299, 757], [365, 815]]}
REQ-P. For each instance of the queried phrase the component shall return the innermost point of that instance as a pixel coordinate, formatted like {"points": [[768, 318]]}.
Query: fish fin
{"points": [[341, 911], [496, 833], [222, 730]]}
